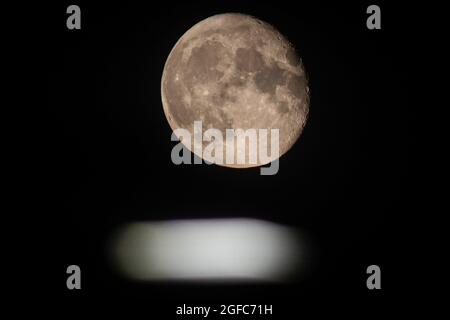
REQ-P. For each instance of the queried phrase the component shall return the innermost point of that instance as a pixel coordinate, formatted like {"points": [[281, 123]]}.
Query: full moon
{"points": [[234, 71]]}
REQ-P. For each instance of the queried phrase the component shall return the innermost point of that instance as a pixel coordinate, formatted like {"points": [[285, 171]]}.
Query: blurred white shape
{"points": [[215, 249]]}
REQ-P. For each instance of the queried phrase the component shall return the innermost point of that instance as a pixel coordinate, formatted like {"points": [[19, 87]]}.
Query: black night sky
{"points": [[106, 153]]}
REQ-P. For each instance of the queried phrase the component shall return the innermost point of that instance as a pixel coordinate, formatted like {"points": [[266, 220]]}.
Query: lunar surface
{"points": [[233, 71]]}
